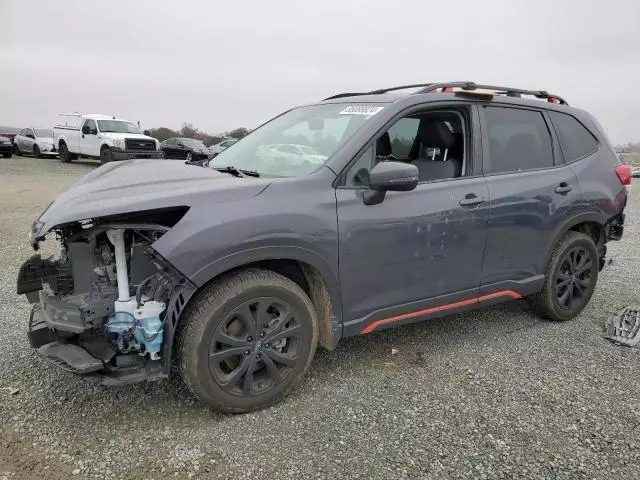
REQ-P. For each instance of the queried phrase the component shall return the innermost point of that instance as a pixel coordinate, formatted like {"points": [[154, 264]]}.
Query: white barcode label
{"points": [[361, 110]]}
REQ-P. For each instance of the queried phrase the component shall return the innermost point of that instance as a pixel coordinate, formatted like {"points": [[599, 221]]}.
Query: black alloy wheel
{"points": [[246, 340], [255, 347], [573, 278], [570, 279]]}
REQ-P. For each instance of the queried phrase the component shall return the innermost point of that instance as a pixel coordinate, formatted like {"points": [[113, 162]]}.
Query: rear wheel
{"points": [[36, 151], [247, 340], [571, 278], [106, 155], [65, 155]]}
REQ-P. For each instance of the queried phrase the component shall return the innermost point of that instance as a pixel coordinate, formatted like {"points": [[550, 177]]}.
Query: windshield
{"points": [[297, 142], [309, 150], [117, 126], [43, 132], [190, 142]]}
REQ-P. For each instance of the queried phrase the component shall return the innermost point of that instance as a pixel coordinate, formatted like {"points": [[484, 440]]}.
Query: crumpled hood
{"points": [[135, 185]]}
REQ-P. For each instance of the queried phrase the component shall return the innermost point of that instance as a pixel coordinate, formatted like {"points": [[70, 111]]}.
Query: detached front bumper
{"points": [[119, 154], [68, 356], [83, 356]]}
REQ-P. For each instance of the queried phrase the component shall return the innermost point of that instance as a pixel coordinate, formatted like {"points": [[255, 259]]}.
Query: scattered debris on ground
{"points": [[624, 328]]}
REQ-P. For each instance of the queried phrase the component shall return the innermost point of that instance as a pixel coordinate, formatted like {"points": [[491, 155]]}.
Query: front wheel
{"points": [[570, 280], [247, 340], [106, 155], [36, 151], [65, 155]]}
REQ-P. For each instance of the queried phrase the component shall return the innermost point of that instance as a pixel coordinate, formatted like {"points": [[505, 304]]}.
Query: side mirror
{"points": [[86, 130], [390, 176]]}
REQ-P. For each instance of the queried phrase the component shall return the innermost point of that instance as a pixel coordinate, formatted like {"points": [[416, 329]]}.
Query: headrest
{"points": [[436, 134], [383, 145]]}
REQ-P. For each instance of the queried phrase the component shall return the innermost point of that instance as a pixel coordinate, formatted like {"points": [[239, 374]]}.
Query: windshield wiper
{"points": [[238, 172]]}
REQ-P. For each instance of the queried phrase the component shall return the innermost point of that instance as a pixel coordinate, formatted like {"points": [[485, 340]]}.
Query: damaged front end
{"points": [[109, 305]]}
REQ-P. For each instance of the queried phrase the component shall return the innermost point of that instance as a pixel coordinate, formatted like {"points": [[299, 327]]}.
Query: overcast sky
{"points": [[222, 65]]}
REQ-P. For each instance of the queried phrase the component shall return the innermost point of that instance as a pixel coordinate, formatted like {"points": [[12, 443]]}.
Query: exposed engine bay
{"points": [[108, 305]]}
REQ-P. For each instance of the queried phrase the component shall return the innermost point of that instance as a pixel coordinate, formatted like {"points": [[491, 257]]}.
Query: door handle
{"points": [[471, 199], [564, 188]]}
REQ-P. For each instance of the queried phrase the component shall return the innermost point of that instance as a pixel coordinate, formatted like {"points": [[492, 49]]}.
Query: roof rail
{"points": [[447, 87], [508, 91], [341, 95], [378, 92]]}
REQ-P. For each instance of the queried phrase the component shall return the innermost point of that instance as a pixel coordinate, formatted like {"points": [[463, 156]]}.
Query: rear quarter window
{"points": [[575, 140]]}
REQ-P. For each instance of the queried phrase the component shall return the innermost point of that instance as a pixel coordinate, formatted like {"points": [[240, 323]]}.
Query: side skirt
{"points": [[443, 305]]}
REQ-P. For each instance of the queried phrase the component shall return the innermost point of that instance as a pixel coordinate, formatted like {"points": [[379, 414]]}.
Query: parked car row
{"points": [[106, 138]]}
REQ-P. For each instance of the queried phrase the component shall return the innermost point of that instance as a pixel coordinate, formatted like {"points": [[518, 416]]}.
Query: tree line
{"points": [[189, 131]]}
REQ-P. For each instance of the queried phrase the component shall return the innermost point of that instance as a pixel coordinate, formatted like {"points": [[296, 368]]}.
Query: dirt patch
{"points": [[20, 459]]}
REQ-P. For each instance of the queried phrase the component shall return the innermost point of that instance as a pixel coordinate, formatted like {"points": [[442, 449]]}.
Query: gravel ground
{"points": [[490, 394]]}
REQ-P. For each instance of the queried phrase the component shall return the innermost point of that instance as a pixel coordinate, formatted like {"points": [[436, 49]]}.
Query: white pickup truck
{"points": [[104, 137]]}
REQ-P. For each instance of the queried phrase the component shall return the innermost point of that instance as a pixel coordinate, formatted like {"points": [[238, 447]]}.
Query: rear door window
{"points": [[518, 140], [575, 140]]}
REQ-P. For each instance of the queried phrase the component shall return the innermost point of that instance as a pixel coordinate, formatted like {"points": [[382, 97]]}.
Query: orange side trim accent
{"points": [[502, 293]]}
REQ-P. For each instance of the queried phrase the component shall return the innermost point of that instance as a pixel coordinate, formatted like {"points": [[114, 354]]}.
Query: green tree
{"points": [[162, 133], [238, 132], [188, 130]]}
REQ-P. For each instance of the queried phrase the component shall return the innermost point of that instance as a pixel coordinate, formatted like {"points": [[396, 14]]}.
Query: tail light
{"points": [[624, 174]]}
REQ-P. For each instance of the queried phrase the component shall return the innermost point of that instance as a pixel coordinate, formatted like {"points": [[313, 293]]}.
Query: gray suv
{"points": [[391, 207]]}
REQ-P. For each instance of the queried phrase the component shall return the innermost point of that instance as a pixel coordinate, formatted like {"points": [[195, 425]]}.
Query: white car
{"points": [[223, 145], [36, 141], [293, 153]]}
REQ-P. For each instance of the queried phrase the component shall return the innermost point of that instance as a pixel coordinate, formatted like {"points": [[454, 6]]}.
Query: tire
{"points": [[189, 157], [36, 151], [7, 155], [225, 310], [16, 149], [106, 155], [65, 155], [572, 274]]}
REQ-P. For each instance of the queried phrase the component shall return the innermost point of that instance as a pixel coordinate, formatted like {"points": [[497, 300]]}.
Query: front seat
{"points": [[435, 134]]}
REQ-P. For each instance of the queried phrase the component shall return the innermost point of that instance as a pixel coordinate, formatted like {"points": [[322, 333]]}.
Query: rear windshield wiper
{"points": [[238, 172]]}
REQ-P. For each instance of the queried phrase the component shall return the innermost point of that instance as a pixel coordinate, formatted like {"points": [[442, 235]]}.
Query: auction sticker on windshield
{"points": [[361, 110]]}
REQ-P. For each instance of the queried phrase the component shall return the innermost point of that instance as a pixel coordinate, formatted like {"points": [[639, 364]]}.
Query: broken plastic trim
{"points": [[624, 328]]}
